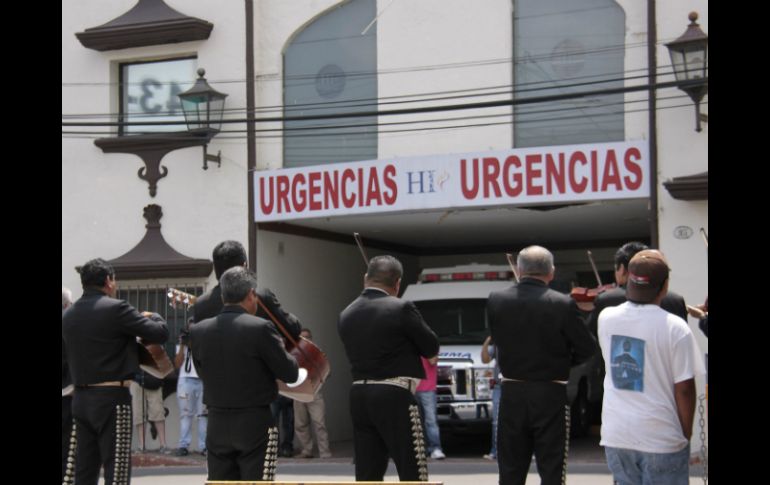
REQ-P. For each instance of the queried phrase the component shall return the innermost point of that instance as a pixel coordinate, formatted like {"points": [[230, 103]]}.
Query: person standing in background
{"points": [[489, 353], [426, 399], [313, 412], [189, 395]]}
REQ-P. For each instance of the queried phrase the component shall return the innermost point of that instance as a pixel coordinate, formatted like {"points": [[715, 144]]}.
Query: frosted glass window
{"points": [[330, 68], [149, 92], [568, 46]]}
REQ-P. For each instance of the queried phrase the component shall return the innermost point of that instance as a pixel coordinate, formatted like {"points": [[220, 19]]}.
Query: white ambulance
{"points": [[453, 302]]}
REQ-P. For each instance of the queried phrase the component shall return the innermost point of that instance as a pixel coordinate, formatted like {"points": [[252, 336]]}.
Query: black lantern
{"points": [[689, 58], [203, 108]]}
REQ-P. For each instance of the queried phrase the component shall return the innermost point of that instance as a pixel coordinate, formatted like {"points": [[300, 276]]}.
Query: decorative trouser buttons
{"points": [[122, 463], [566, 443], [419, 442], [271, 455], [69, 475]]}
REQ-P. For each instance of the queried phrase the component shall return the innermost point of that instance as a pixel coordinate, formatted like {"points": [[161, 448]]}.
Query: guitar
{"points": [[308, 356], [153, 359], [179, 297]]}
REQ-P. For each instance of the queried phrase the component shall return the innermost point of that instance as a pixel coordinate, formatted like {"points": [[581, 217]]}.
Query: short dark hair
{"points": [[94, 273], [236, 283], [384, 270], [627, 251], [226, 255]]}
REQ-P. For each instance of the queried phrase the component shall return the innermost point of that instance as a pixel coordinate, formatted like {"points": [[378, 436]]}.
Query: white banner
{"points": [[514, 177]]}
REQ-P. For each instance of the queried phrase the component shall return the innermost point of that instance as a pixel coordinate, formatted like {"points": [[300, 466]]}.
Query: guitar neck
{"points": [[180, 297]]}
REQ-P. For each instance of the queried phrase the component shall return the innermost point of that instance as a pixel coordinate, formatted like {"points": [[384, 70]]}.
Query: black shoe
{"points": [[181, 452], [286, 453], [204, 452]]}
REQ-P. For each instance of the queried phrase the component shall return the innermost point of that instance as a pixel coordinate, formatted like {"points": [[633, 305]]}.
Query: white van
{"points": [[453, 302]]}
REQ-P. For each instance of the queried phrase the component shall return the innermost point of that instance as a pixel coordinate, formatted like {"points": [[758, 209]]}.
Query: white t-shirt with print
{"points": [[646, 351]]}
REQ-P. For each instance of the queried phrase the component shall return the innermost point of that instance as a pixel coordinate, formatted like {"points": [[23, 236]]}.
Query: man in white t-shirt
{"points": [[649, 389]]}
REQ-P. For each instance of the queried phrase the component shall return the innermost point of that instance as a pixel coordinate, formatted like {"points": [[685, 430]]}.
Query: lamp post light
{"points": [[689, 58], [203, 108]]}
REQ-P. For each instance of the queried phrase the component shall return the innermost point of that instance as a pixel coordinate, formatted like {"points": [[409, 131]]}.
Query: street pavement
{"points": [[464, 465]]}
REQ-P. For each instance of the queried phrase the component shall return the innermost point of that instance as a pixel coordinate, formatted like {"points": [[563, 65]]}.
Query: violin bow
{"points": [[705, 237], [509, 257], [593, 265], [360, 244]]}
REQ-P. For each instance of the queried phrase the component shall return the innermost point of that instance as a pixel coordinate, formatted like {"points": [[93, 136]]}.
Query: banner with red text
{"points": [[514, 177]]}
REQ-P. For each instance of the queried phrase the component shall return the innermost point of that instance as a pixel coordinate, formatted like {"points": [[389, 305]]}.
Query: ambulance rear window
{"points": [[462, 321]]}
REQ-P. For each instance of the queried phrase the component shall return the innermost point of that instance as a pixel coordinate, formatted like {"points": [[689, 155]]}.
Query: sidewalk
{"points": [[586, 467]]}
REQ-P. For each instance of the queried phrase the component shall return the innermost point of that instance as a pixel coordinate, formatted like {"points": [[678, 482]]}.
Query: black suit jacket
{"points": [[538, 332], [100, 335], [210, 305], [672, 303], [385, 336], [239, 357]]}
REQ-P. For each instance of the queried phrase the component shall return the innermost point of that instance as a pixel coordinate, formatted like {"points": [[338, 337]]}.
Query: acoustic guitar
{"points": [[306, 353], [153, 359]]}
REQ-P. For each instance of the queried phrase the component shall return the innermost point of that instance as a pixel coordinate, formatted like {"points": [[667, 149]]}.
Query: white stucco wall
{"points": [[102, 196]]}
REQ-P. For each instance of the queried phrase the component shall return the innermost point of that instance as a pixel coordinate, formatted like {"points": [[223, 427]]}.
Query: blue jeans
{"points": [[427, 402], [495, 409], [631, 467], [189, 395]]}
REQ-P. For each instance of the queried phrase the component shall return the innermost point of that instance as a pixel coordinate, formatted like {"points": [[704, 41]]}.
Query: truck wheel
{"points": [[580, 416]]}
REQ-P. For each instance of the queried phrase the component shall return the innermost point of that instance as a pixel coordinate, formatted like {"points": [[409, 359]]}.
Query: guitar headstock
{"points": [[179, 297]]}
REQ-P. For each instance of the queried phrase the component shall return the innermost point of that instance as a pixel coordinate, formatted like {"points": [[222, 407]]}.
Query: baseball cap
{"points": [[647, 272]]}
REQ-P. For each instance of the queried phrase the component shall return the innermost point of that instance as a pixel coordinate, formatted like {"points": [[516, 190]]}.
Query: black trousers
{"points": [[533, 417], [386, 424], [242, 444], [283, 414], [102, 417], [67, 439]]}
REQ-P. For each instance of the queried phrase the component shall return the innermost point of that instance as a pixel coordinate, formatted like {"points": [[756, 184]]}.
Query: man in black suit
{"points": [[239, 356], [100, 335], [67, 438], [229, 254], [384, 338], [672, 302], [539, 335]]}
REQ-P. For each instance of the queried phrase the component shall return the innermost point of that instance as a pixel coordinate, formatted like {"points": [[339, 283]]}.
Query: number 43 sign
{"points": [[150, 92]]}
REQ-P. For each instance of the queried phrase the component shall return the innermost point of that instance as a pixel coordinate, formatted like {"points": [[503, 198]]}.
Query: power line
{"points": [[406, 111], [91, 135]]}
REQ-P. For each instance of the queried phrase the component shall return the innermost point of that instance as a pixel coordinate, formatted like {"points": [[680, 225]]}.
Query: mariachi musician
{"points": [[100, 336], [672, 302], [239, 357], [384, 337], [226, 255]]}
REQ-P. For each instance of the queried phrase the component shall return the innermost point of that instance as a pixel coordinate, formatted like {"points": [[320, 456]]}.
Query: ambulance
{"points": [[453, 302]]}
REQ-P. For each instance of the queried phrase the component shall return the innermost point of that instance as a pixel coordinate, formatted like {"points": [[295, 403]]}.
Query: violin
{"points": [[585, 296]]}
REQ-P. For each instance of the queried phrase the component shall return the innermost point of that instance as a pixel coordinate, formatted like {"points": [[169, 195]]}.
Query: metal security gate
{"points": [[155, 298]]}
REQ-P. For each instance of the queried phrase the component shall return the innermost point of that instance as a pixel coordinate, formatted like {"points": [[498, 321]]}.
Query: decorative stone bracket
{"points": [[151, 149]]}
